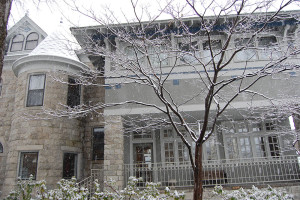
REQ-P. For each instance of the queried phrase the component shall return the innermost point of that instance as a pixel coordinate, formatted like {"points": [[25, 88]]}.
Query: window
{"points": [[274, 146], [28, 165], [174, 150], [0, 86], [158, 55], [135, 56], [35, 95], [269, 48], [98, 144], [211, 150], [189, 51], [216, 47], [249, 52], [1, 148], [73, 98], [260, 148], [69, 165], [31, 41], [142, 134], [245, 147], [169, 152], [17, 43], [255, 141], [232, 146]]}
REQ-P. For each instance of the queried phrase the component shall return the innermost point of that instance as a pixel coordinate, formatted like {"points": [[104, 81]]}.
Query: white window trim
{"points": [[27, 89], [263, 133]]}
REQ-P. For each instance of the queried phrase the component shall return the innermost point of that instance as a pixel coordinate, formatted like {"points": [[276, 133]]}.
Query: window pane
{"points": [[18, 38], [98, 144], [274, 146], [17, 43], [168, 133], [246, 151], [31, 45], [260, 150], [270, 126], [73, 98], [32, 36], [17, 46], [28, 165], [69, 165], [232, 148], [268, 47], [158, 56], [169, 152], [190, 52], [211, 149], [35, 97], [249, 53], [36, 82], [216, 47]]}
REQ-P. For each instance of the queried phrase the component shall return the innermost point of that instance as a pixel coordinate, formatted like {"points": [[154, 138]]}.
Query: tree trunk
{"points": [[5, 6], [198, 175]]}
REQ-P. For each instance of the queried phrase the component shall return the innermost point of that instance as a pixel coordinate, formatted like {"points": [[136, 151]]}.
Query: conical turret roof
{"points": [[59, 43]]}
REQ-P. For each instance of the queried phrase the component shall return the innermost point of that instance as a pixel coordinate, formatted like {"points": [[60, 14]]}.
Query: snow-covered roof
{"points": [[59, 43]]}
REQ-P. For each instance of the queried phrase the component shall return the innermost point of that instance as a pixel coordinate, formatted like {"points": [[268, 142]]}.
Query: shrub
{"points": [[70, 190], [252, 194]]}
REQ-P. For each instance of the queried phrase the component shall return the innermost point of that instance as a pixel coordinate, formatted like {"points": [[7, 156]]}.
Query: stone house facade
{"points": [[54, 147]]}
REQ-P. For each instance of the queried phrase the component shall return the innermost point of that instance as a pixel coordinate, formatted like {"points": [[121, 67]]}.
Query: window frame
{"points": [[176, 142], [75, 165], [35, 40], [72, 83], [29, 90], [21, 163], [17, 42], [252, 133], [102, 154]]}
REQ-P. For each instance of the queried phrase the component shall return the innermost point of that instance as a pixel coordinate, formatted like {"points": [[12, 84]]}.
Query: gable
{"points": [[24, 36]]}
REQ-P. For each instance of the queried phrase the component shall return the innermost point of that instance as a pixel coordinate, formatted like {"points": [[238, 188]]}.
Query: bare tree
{"points": [[5, 6], [207, 45]]}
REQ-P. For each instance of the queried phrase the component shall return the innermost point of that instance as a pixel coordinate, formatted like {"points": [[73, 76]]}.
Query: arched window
{"points": [[17, 43], [1, 148], [31, 41]]}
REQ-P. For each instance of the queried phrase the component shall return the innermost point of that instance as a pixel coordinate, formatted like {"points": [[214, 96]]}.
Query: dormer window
{"points": [[17, 43], [31, 41]]}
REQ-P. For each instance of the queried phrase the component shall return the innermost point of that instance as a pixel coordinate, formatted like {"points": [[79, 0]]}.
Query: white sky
{"points": [[48, 15]]}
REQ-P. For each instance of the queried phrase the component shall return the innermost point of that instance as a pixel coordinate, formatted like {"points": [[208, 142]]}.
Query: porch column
{"points": [[114, 150]]}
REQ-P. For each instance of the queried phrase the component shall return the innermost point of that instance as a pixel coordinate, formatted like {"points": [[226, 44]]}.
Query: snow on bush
{"points": [[70, 190], [252, 194]]}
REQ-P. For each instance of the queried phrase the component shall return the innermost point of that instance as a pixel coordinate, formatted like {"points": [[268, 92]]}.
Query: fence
{"points": [[224, 172]]}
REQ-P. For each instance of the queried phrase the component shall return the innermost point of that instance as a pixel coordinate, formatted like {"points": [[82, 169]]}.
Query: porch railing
{"points": [[225, 172]]}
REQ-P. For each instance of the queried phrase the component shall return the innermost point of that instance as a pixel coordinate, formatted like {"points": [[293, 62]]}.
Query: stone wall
{"points": [[92, 95], [6, 110], [50, 138], [114, 150]]}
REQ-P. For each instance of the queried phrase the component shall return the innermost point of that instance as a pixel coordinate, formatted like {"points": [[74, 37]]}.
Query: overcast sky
{"points": [[48, 15]]}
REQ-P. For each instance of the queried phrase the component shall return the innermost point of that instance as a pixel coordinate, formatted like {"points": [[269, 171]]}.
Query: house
{"points": [[40, 75]]}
